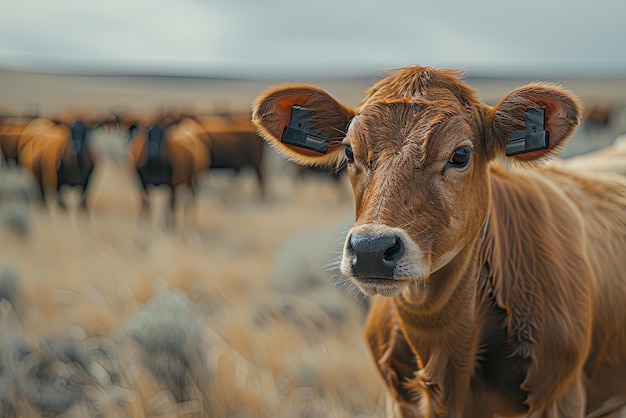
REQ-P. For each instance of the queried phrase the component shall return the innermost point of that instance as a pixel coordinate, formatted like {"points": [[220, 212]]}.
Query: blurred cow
{"points": [[597, 114], [607, 160], [170, 152], [56, 150], [235, 144], [11, 128]]}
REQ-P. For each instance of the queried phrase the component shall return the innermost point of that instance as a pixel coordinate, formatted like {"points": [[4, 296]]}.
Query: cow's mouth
{"points": [[372, 286], [382, 260]]}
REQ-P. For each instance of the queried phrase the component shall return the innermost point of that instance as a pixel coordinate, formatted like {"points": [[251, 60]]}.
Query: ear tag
{"points": [[300, 132], [533, 137]]}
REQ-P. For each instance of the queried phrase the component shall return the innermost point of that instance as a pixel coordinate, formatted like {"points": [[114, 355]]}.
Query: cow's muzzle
{"points": [[374, 255]]}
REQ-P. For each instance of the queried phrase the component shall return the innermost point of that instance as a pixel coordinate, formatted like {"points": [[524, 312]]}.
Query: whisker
{"points": [[341, 238], [410, 223], [348, 287], [406, 225], [333, 265], [424, 230]]}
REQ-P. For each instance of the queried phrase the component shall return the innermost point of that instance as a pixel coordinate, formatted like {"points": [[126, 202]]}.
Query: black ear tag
{"points": [[533, 137], [300, 132]]}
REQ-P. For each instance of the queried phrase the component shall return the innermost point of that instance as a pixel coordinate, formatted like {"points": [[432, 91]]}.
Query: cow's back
{"points": [[605, 208], [605, 221], [601, 199], [601, 175], [583, 233], [594, 207], [235, 142], [235, 149]]}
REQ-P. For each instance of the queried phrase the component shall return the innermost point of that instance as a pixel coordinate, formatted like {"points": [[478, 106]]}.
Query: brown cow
{"points": [[499, 290], [235, 144], [171, 153], [58, 153], [11, 128], [597, 114], [611, 159]]}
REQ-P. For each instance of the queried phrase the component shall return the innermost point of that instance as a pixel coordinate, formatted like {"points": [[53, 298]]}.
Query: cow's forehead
{"points": [[421, 83], [418, 98], [408, 109], [427, 131]]}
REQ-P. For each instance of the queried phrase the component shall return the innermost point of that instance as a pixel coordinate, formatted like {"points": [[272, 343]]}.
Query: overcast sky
{"points": [[282, 38]]}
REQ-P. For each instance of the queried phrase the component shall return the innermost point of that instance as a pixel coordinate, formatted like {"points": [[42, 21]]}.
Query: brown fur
{"points": [[597, 114], [186, 151], [45, 148], [235, 144], [10, 131], [507, 297], [608, 160], [275, 111], [43, 145]]}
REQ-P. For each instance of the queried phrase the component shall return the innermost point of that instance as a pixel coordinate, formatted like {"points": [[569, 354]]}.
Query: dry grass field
{"points": [[217, 310], [239, 312]]}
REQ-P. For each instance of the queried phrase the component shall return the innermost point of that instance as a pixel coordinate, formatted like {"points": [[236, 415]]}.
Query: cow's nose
{"points": [[374, 256]]}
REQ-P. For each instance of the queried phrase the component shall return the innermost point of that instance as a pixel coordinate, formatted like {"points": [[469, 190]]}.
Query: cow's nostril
{"points": [[350, 250], [394, 252], [374, 256]]}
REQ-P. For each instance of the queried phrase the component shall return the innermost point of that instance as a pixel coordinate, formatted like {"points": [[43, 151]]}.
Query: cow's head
{"points": [[418, 150]]}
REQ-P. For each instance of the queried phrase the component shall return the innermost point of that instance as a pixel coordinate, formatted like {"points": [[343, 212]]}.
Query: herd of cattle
{"points": [[167, 149]]}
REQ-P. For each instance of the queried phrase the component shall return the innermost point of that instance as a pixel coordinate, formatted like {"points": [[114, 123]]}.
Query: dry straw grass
{"points": [[109, 315]]}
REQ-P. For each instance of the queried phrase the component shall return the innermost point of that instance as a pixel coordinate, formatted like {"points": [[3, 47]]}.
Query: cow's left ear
{"points": [[303, 123], [532, 123]]}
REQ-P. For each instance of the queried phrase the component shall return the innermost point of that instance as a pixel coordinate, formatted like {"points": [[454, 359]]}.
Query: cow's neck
{"points": [[442, 332]]}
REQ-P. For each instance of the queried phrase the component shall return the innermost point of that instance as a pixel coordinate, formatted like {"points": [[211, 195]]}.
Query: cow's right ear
{"points": [[303, 123]]}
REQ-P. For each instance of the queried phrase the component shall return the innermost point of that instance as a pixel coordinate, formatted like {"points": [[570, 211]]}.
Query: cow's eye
{"points": [[349, 154], [460, 157]]}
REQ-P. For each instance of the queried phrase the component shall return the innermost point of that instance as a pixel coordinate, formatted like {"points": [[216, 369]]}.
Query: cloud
{"points": [[281, 37]]}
